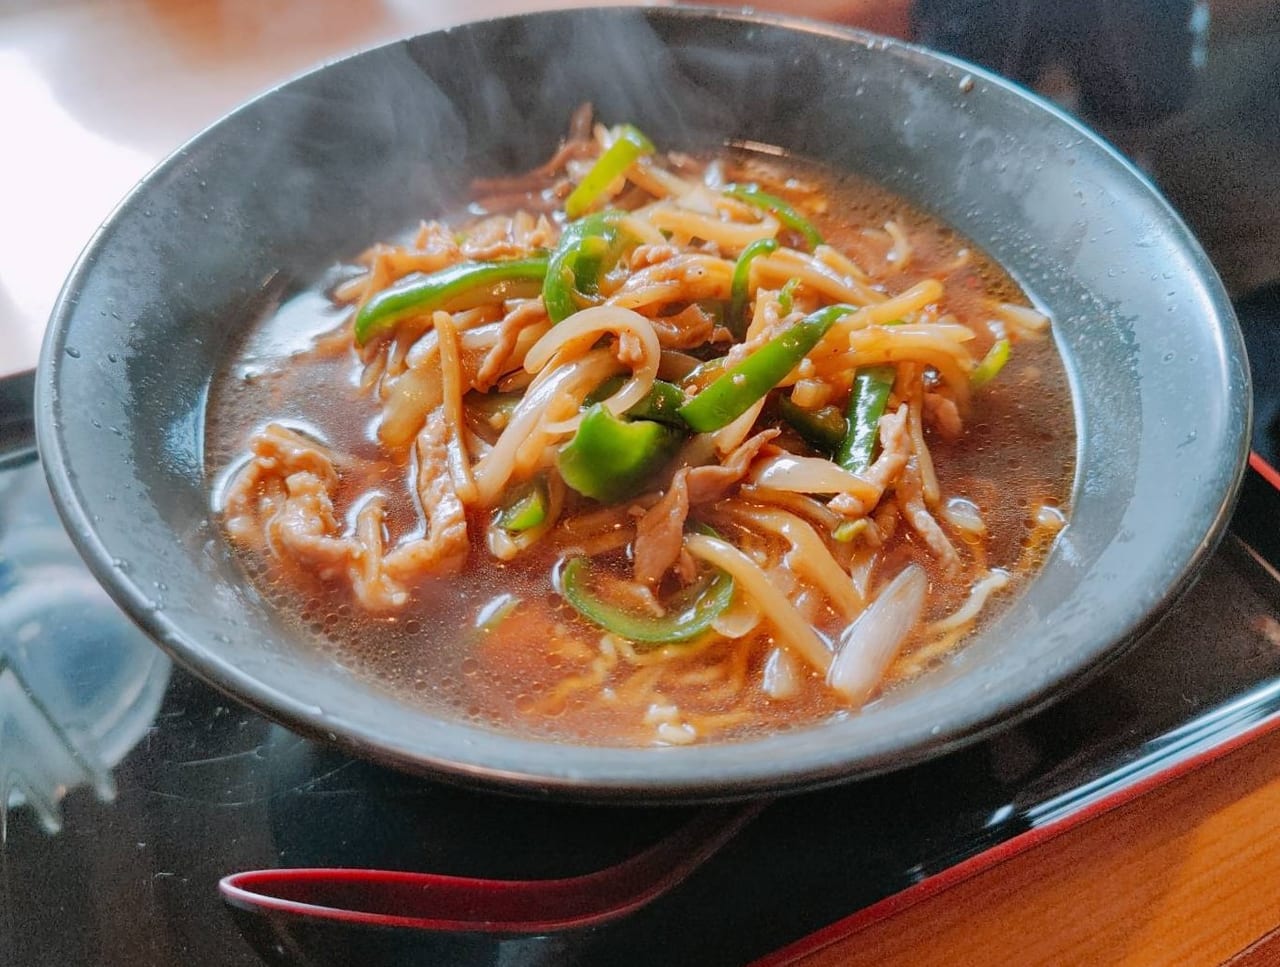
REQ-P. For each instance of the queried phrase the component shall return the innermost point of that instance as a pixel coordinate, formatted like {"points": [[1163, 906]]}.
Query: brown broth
{"points": [[1017, 452]]}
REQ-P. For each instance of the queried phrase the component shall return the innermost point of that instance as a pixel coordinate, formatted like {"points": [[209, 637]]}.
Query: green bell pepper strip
{"points": [[738, 288], [991, 364], [822, 429], [786, 295], [492, 405], [604, 391], [867, 400], [735, 390], [629, 145], [527, 509], [610, 459], [689, 612], [780, 210], [449, 289], [574, 269], [660, 404], [847, 532]]}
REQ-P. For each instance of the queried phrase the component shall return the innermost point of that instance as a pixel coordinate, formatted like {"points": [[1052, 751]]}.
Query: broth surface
{"points": [[498, 645]]}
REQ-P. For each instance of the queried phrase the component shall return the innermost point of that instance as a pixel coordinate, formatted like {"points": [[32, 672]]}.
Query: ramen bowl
{"points": [[262, 203]]}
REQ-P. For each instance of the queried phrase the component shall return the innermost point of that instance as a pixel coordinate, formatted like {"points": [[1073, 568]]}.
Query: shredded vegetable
{"points": [[457, 287], [740, 386], [775, 206], [687, 614]]}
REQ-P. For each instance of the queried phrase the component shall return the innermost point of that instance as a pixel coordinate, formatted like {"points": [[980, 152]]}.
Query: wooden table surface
{"points": [[92, 94], [1186, 875]]}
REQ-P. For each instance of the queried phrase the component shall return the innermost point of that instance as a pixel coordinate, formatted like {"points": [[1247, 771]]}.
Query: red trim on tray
{"points": [[244, 891], [988, 859], [443, 903], [1010, 848], [1268, 473]]}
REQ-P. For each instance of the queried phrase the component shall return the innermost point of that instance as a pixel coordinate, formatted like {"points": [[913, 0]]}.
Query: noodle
{"points": [[787, 621], [840, 262], [731, 237], [786, 264], [808, 556]]}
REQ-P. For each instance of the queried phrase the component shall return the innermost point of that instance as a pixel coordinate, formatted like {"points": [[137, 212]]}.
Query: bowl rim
{"points": [[703, 772]]}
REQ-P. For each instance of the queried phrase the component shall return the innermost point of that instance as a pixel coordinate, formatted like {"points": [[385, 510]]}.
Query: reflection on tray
{"points": [[79, 684]]}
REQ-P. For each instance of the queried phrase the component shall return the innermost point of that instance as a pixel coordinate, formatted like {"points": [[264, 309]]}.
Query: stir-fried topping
{"points": [[620, 352]]}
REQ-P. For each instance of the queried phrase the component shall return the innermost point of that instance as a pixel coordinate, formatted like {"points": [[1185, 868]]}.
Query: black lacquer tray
{"points": [[171, 787]]}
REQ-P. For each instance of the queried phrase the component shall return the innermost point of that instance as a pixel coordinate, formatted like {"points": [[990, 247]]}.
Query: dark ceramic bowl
{"points": [[314, 171]]}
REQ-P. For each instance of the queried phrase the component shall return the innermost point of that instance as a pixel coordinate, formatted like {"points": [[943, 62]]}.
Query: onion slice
{"points": [[575, 336], [812, 475], [780, 679], [871, 643]]}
